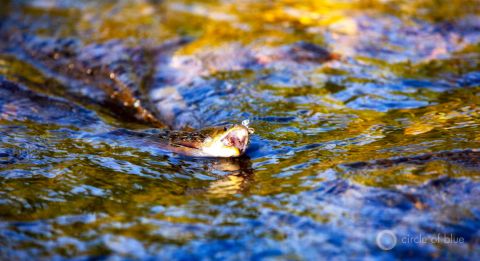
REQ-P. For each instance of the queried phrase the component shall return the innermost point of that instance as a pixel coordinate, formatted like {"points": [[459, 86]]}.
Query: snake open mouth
{"points": [[237, 138]]}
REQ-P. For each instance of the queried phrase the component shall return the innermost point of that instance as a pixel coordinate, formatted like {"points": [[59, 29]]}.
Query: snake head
{"points": [[227, 141]]}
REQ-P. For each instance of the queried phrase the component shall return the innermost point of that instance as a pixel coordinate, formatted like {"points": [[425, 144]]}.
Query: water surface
{"points": [[407, 82]]}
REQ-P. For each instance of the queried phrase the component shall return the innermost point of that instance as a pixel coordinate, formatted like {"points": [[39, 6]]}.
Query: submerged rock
{"points": [[142, 83]]}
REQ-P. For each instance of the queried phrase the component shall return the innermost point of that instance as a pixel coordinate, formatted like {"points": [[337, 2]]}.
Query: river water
{"points": [[404, 81]]}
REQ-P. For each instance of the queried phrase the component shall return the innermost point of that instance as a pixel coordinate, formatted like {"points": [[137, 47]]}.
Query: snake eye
{"points": [[225, 128]]}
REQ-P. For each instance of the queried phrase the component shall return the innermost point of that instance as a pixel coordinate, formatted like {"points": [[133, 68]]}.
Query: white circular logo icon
{"points": [[386, 239]]}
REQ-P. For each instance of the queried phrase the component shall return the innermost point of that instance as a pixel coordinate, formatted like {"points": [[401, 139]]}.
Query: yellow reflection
{"points": [[226, 186]]}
